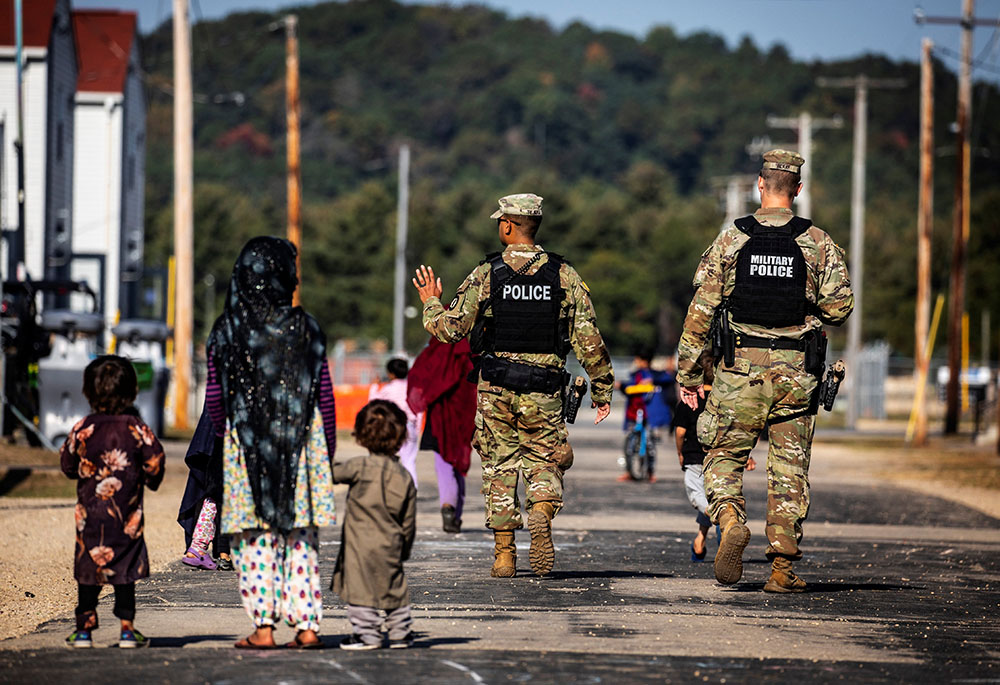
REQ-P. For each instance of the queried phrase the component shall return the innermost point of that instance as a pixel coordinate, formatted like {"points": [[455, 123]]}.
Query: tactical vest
{"points": [[526, 309], [770, 285]]}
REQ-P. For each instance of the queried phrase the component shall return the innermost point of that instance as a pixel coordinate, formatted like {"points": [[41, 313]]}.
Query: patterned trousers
{"points": [[763, 390], [520, 433], [279, 577]]}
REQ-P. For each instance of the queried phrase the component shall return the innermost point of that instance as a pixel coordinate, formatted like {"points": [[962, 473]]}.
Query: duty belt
{"points": [[521, 377], [770, 343]]}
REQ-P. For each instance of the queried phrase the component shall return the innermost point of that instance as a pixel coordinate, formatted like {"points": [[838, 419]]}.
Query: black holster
{"points": [[815, 352], [521, 377]]}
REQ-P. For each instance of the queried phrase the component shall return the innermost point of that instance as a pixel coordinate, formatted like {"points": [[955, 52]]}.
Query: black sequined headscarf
{"points": [[269, 355]]}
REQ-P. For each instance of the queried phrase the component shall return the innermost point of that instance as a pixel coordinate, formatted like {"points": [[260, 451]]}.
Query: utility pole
{"points": [[960, 230], [15, 246], [399, 289], [960, 226], [294, 165], [861, 85], [925, 225], [804, 125], [183, 214]]}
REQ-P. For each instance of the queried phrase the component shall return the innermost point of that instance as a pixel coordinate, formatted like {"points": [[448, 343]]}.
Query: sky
{"points": [[809, 29]]}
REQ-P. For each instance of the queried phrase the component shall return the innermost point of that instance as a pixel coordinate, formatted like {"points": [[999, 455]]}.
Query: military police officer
{"points": [[525, 310], [769, 282]]}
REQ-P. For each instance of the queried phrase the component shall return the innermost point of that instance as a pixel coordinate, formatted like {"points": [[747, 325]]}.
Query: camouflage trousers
{"points": [[763, 389], [520, 433]]}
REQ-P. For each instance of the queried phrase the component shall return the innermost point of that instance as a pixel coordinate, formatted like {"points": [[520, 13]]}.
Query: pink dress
{"points": [[395, 391]]}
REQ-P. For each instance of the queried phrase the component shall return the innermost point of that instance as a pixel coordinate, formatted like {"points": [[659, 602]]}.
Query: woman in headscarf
{"points": [[270, 396]]}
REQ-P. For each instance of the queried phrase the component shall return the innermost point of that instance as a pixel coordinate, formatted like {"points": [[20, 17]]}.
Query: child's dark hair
{"points": [[110, 384], [397, 367], [380, 427]]}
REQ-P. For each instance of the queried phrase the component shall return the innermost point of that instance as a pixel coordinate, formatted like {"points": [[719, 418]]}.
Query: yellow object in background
{"points": [[639, 388]]}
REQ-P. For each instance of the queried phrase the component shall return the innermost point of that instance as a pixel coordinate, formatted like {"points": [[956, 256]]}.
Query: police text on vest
{"points": [[527, 292], [771, 265]]}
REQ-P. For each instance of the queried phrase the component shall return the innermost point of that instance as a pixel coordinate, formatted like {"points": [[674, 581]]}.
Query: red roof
{"points": [[103, 42], [36, 22]]}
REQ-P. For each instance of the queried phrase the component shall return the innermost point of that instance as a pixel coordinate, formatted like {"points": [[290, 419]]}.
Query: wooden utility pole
{"points": [[804, 125], [925, 225], [861, 85], [294, 165], [183, 215], [960, 226], [399, 286], [960, 229]]}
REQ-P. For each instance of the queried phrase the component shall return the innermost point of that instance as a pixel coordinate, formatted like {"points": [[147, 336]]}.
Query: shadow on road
{"points": [[159, 641], [617, 574], [820, 586]]}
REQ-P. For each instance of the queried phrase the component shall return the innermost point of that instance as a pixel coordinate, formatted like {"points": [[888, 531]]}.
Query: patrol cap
{"points": [[522, 204], [783, 160]]}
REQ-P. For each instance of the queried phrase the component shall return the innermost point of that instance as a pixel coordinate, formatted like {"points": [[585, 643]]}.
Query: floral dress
{"points": [[113, 457], [314, 501]]}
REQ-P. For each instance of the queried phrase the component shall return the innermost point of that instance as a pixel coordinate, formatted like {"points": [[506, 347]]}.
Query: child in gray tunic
{"points": [[379, 528]]}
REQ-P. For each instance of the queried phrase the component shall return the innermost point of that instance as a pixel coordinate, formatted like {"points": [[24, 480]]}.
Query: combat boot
{"points": [[541, 554], [505, 564], [783, 578], [729, 557]]}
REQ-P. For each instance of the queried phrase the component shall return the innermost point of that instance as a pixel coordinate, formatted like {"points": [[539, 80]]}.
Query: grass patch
{"points": [[21, 455], [37, 484]]}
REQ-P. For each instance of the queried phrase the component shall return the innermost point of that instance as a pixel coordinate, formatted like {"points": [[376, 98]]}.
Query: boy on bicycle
{"points": [[648, 393]]}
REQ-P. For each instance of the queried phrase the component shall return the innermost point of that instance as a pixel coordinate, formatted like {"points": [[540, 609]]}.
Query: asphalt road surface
{"points": [[902, 588]]}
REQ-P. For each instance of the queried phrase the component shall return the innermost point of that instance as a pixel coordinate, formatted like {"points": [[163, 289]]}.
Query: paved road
{"points": [[903, 587]]}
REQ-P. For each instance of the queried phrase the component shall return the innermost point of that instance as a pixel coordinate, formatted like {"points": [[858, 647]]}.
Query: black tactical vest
{"points": [[525, 309], [770, 275]]}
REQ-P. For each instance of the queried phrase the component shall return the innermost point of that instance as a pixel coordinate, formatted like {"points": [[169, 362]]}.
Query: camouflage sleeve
{"points": [[834, 299], [709, 282], [588, 345], [452, 324]]}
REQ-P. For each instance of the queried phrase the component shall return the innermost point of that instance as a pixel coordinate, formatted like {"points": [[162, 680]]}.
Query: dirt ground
{"points": [[36, 578]]}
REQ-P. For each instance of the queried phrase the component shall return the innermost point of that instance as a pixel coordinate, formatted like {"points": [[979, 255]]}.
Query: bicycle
{"points": [[640, 443]]}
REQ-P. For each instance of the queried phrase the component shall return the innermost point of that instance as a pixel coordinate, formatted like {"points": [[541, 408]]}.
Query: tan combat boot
{"points": [[541, 554], [783, 578], [735, 537], [505, 564]]}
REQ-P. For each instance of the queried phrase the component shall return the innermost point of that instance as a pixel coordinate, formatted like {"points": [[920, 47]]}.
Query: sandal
{"points": [[246, 643], [199, 560], [298, 644]]}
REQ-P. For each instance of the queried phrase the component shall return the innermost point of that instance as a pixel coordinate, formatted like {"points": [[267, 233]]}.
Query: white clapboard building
{"points": [[109, 160], [49, 94]]}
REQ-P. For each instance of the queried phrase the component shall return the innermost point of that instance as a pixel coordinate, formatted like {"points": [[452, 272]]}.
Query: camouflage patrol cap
{"points": [[522, 204], [783, 160]]}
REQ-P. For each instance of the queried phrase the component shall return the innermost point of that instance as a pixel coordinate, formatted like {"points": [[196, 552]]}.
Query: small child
{"points": [[113, 454], [395, 390], [691, 455], [378, 531]]}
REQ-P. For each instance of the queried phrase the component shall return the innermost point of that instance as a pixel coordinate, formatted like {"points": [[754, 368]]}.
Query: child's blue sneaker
{"points": [[695, 557], [132, 639], [80, 640]]}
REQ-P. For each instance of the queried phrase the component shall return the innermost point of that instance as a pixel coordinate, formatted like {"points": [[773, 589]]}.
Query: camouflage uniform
{"points": [[764, 387], [516, 431]]}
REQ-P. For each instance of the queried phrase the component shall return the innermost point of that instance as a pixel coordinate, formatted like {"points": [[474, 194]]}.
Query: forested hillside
{"points": [[624, 138]]}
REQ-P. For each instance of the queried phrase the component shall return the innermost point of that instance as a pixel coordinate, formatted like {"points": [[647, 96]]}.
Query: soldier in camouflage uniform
{"points": [[519, 421], [768, 385]]}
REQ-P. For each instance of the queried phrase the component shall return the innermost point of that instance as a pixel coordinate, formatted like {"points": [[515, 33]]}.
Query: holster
{"points": [[521, 377], [815, 352]]}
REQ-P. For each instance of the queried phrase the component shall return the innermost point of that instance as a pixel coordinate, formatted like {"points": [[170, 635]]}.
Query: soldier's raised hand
{"points": [[426, 284]]}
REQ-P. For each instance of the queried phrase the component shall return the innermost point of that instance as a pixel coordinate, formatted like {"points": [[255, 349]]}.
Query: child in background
{"points": [[378, 531], [394, 390], [113, 455], [654, 418], [691, 455]]}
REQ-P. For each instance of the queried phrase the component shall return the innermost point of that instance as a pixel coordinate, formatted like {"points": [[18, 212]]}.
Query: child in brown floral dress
{"points": [[114, 455]]}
